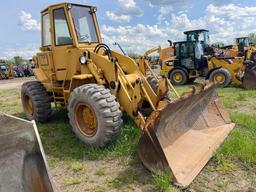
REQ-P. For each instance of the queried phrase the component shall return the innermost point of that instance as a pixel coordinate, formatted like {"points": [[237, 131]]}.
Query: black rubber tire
{"points": [[41, 104], [225, 72], [183, 74], [106, 109], [154, 85], [253, 57], [152, 82]]}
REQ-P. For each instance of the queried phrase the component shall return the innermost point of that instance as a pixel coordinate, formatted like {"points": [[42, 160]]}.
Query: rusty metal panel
{"points": [[22, 161], [182, 136]]}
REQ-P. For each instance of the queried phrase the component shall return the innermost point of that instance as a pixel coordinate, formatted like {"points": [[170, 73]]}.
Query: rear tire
{"points": [[253, 57], [35, 101], [221, 76], [178, 77], [94, 115]]}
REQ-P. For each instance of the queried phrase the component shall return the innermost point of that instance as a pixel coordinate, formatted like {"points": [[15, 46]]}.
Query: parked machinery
{"points": [[76, 70], [6, 71], [196, 58]]}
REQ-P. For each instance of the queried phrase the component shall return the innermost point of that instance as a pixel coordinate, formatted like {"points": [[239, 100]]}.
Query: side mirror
{"points": [[170, 42]]}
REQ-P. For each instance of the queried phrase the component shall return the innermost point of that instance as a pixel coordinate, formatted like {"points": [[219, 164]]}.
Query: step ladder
{"points": [[57, 92]]}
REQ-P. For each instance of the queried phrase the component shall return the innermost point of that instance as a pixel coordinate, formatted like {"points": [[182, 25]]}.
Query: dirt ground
{"points": [[74, 170], [13, 83]]}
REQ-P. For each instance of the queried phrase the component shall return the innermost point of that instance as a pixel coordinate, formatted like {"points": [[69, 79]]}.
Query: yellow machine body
{"points": [[234, 66], [8, 74]]}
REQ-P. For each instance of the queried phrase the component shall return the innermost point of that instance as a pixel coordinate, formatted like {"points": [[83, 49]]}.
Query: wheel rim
{"points": [[86, 120], [220, 78], [177, 77], [28, 105]]}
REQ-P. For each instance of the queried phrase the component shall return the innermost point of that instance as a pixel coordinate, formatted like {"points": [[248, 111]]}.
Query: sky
{"points": [[136, 25]]}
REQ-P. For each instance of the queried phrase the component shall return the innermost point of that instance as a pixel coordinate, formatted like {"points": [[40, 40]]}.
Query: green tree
{"points": [[252, 36], [18, 60]]}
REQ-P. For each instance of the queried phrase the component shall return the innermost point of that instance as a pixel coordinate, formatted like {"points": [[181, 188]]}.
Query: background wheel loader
{"points": [[6, 72], [76, 70], [195, 58]]}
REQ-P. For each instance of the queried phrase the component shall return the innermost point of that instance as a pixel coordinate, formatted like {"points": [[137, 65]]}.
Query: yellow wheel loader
{"points": [[6, 72], [22, 161], [189, 62], [76, 70]]}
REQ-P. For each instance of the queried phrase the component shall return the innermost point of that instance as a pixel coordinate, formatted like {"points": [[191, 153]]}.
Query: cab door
{"points": [[45, 59], [63, 44]]}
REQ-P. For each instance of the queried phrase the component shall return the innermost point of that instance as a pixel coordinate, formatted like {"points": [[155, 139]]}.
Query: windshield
{"points": [[84, 24], [202, 36], [242, 41], [206, 38]]}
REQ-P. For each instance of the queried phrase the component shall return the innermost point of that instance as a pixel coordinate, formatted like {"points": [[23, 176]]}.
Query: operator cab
{"points": [[71, 24], [200, 35], [242, 42], [190, 55]]}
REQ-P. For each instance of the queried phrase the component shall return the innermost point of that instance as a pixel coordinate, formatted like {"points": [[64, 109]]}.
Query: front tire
{"points": [[178, 77], [221, 76], [35, 101], [94, 115]]}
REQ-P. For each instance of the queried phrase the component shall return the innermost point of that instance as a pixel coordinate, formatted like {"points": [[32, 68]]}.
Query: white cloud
{"points": [[25, 52], [164, 2], [136, 38], [218, 19], [28, 23], [125, 11], [130, 7], [119, 18], [164, 11], [231, 11]]}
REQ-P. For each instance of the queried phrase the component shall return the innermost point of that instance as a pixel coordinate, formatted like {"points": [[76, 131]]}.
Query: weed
{"points": [[124, 179], [162, 181], [75, 166], [241, 97], [100, 172], [224, 164], [72, 181]]}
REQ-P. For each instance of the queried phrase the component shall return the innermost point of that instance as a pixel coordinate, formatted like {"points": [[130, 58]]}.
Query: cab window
{"points": [[46, 40], [61, 30], [84, 24]]}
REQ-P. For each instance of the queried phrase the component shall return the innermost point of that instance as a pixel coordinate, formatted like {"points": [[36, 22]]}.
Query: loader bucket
{"points": [[249, 80], [22, 161], [181, 137]]}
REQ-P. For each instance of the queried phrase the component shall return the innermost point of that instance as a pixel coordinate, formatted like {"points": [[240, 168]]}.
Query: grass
{"points": [[60, 143], [242, 141], [76, 166], [100, 172], [72, 181], [57, 137], [162, 181]]}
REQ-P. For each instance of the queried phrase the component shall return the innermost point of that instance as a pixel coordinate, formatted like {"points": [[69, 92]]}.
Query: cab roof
{"points": [[63, 4], [197, 30], [242, 38]]}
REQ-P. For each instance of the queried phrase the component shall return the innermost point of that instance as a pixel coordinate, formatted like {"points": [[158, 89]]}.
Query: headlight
{"points": [[83, 60]]}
